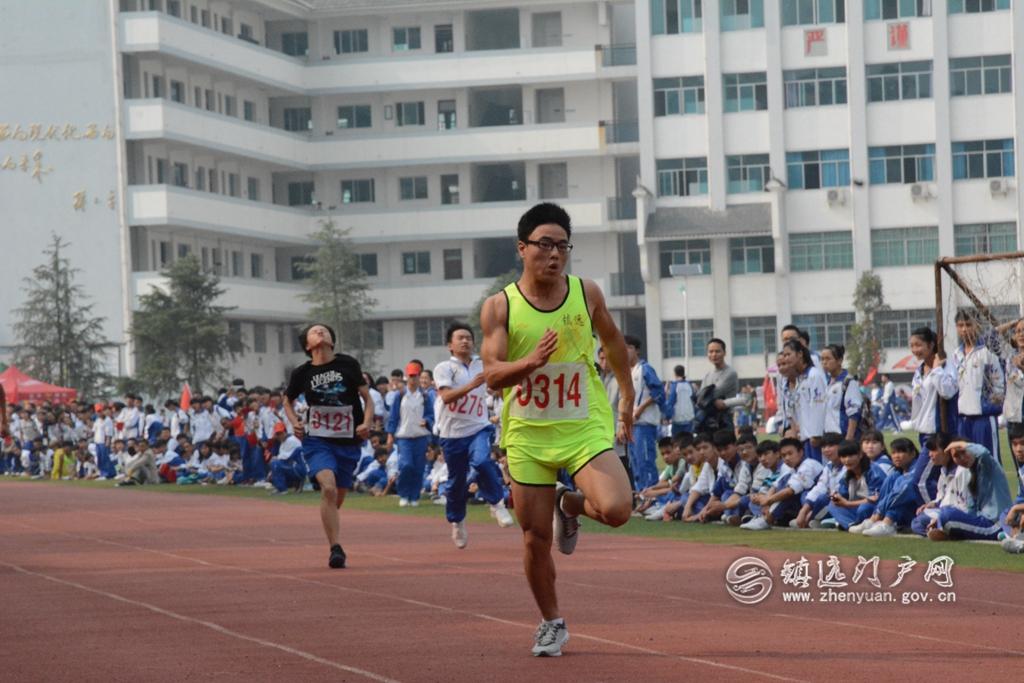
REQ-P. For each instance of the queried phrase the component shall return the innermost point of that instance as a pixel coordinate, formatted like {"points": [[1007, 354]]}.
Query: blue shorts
{"points": [[323, 455]]}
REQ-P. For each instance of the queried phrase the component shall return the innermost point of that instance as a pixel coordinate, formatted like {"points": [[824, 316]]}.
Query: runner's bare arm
{"points": [[363, 430], [615, 351], [498, 371], [297, 427]]}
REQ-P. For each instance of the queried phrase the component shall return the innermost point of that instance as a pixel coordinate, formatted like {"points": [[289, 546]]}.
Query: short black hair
{"points": [[903, 445], [542, 214], [665, 442], [848, 448], [831, 438], [633, 341], [787, 328], [939, 441], [799, 349], [747, 437], [305, 331], [454, 327], [1014, 432], [702, 437], [679, 371], [767, 446], [397, 374], [682, 440], [716, 340], [795, 443], [723, 437]]}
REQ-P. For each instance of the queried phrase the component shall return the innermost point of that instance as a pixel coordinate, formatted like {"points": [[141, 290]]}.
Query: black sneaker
{"points": [[337, 560]]}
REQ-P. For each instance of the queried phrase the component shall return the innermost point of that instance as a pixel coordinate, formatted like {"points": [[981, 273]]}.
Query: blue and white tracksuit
{"points": [[643, 450], [903, 493], [820, 495], [732, 479], [842, 405], [868, 485], [680, 407], [762, 481], [804, 404], [925, 405], [409, 410], [798, 480], [967, 514], [1008, 529], [982, 386], [288, 468]]}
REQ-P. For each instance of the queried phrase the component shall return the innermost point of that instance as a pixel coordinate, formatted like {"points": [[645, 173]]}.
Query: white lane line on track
{"points": [[207, 624], [410, 601]]}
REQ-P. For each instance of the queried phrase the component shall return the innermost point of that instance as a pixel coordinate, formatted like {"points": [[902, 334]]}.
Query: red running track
{"points": [[105, 584]]}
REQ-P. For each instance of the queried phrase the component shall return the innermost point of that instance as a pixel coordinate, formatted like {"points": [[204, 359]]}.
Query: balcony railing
{"points": [[621, 208], [618, 55], [627, 284], [621, 131]]}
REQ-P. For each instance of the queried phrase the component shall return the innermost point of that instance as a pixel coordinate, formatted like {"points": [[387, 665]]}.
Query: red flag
{"points": [[771, 404], [870, 377], [186, 397]]}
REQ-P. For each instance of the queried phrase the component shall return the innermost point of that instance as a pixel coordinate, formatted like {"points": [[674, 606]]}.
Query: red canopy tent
{"points": [[20, 387]]}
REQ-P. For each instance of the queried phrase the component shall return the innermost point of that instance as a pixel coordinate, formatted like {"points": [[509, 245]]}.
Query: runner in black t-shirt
{"points": [[335, 425]]}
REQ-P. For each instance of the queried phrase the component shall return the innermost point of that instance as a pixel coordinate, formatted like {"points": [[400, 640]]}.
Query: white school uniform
{"points": [[926, 390]]}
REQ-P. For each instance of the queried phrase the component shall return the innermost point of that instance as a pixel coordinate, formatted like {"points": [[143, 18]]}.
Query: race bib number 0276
{"points": [[555, 392], [332, 422]]}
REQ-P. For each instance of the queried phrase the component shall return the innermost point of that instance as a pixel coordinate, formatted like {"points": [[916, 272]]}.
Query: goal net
{"points": [[988, 287]]}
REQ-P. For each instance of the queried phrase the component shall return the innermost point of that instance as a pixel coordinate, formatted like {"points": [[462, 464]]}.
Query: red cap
{"points": [[413, 369], [279, 428], [98, 407]]}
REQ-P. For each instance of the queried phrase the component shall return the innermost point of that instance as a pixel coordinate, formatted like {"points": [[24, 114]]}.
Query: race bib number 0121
{"points": [[555, 392], [332, 422]]}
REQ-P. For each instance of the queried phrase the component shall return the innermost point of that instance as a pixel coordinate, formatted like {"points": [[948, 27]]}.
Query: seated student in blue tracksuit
{"points": [[872, 443], [1013, 518], [815, 502], [901, 494], [733, 481], [943, 469], [374, 478], [782, 502], [700, 492], [976, 494], [766, 473], [288, 467], [858, 490]]}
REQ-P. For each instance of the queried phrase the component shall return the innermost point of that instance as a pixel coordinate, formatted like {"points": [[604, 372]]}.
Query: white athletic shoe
{"points": [[403, 502], [502, 515], [549, 639], [566, 527], [757, 524], [440, 500], [862, 527], [814, 524], [793, 524], [655, 513], [1012, 545], [414, 503], [880, 530], [460, 537]]}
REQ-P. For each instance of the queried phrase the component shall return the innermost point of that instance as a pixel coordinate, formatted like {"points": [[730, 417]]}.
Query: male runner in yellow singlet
{"points": [[539, 347]]}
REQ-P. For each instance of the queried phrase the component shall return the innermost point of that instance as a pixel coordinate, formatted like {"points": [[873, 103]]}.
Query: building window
{"points": [[235, 337], [972, 6], [803, 12], [295, 44], [674, 96], [452, 264], [214, 185], [984, 238], [895, 326], [682, 177], [826, 328], [355, 116], [413, 188], [158, 86], [248, 110], [178, 92], [256, 264], [741, 14], [237, 264], [676, 16], [406, 38], [197, 97], [673, 331], [161, 171], [180, 175], [357, 191], [301, 267], [450, 189], [368, 264], [751, 255], [348, 42], [200, 178], [252, 188], [675, 252], [211, 100], [184, 250], [979, 75], [410, 114], [430, 331], [901, 164], [300, 194], [817, 169], [367, 334], [234, 185], [444, 38], [298, 119], [747, 173], [164, 259], [899, 81], [230, 105], [259, 337], [753, 336], [174, 8], [415, 262], [745, 92], [983, 159], [815, 87], [226, 26], [904, 246], [897, 9], [810, 251]]}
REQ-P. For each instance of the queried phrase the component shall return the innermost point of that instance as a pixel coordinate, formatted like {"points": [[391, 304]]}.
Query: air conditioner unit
{"points": [[836, 196], [999, 186], [920, 191]]}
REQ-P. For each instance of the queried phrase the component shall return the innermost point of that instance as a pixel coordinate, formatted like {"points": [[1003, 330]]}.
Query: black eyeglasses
{"points": [[547, 245]]}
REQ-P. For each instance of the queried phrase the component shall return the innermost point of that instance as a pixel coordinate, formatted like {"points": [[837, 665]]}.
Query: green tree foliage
{"points": [[58, 339], [180, 334], [864, 348], [339, 293]]}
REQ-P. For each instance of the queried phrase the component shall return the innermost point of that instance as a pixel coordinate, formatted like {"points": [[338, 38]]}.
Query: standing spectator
{"points": [[203, 423], [719, 384], [982, 386], [102, 437], [933, 384], [409, 427], [650, 397], [680, 407]]}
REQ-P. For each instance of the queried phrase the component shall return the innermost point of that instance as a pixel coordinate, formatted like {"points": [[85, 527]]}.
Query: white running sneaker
{"points": [[655, 513], [862, 527], [757, 524], [793, 524], [1012, 545], [414, 503], [814, 524], [501, 513], [549, 639], [566, 527], [880, 530], [460, 537], [403, 502]]}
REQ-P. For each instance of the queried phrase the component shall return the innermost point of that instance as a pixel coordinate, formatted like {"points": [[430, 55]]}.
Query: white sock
{"points": [[555, 622]]}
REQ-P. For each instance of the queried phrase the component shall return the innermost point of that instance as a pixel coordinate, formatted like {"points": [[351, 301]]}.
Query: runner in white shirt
{"points": [[466, 432]]}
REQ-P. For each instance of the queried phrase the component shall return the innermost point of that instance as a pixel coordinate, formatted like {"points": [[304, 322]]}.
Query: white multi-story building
{"points": [[782, 148]]}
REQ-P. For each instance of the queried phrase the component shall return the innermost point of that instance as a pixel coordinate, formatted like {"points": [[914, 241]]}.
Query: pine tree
{"points": [[864, 348], [339, 293], [58, 339], [180, 334]]}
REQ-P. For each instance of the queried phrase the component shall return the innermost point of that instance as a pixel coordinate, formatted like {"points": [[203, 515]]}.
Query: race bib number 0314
{"points": [[555, 392], [332, 422]]}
